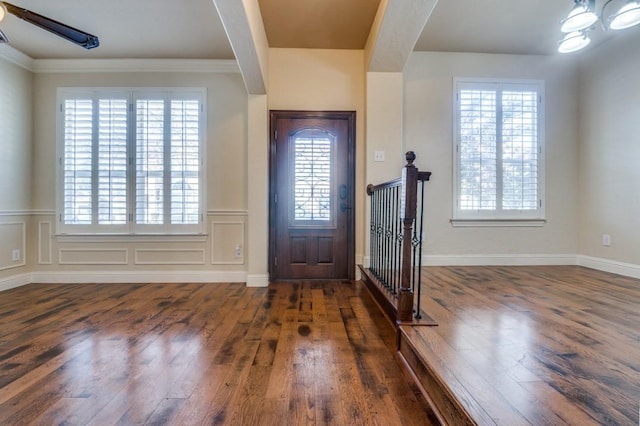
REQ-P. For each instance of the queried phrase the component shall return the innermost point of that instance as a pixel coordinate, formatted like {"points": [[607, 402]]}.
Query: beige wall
{"points": [[226, 188], [317, 80], [428, 130], [592, 147], [609, 130], [16, 89], [226, 129]]}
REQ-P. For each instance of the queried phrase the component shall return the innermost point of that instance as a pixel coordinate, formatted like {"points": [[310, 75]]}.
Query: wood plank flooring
{"points": [[543, 345], [294, 353]]}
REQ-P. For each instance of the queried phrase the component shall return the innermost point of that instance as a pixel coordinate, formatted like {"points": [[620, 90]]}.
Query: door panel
{"points": [[311, 195]]}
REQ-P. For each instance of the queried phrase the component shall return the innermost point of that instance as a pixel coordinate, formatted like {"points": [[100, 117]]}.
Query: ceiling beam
{"points": [[242, 22], [394, 33]]}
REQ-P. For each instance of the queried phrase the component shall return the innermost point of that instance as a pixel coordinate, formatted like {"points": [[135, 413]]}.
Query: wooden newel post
{"points": [[408, 215]]}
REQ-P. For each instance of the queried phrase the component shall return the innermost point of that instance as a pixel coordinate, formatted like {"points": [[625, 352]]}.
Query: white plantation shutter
{"points": [[478, 133], [519, 150], [498, 145], [150, 161], [132, 163], [112, 161], [185, 161], [77, 162]]}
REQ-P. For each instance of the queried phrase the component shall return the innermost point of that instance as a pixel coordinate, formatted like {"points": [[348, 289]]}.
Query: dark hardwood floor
{"points": [[540, 345], [295, 353]]}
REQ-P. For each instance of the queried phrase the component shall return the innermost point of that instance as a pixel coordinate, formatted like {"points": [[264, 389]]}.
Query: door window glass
{"points": [[312, 177]]}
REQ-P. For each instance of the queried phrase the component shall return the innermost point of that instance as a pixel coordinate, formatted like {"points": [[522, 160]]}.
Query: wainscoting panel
{"points": [[89, 256], [44, 243], [169, 257], [227, 242], [13, 236]]}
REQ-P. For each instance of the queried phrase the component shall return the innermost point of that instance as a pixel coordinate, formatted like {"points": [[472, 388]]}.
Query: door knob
{"points": [[343, 191]]}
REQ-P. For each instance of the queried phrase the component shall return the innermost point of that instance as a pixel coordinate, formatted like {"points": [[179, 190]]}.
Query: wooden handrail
{"points": [[422, 176], [391, 184]]}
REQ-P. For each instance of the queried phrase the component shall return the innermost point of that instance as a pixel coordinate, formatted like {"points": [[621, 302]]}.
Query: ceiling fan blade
{"points": [[74, 35]]}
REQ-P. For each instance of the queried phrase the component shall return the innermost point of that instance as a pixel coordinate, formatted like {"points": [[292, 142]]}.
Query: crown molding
{"points": [[135, 65], [227, 66], [16, 57]]}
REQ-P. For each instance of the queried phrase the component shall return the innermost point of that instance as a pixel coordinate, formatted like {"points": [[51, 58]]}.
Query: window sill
{"points": [[125, 238], [497, 223]]}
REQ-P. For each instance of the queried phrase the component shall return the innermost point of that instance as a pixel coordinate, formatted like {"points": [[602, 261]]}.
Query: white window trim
{"points": [[504, 218], [130, 229]]}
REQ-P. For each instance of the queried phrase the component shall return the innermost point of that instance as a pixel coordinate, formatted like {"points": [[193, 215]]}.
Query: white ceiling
{"points": [[495, 26], [192, 29], [143, 29]]}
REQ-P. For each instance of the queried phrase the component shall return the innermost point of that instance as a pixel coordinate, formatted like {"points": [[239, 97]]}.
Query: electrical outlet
{"points": [[606, 240], [238, 251], [15, 255]]}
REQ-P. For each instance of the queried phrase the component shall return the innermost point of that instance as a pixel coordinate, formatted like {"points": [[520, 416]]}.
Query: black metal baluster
{"points": [[418, 264], [392, 237], [383, 224], [373, 252], [387, 232], [379, 236], [395, 244], [372, 226]]}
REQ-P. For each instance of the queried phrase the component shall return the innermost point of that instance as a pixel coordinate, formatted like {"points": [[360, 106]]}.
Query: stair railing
{"points": [[395, 244]]}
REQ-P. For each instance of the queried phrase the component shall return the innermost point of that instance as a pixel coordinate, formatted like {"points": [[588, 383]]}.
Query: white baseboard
{"points": [[14, 281], [607, 265], [499, 260], [105, 277], [601, 264], [262, 280], [257, 280], [492, 260], [138, 277]]}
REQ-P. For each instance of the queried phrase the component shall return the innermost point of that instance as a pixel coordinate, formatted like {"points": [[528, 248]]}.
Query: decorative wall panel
{"points": [[227, 242], [169, 256], [44, 243], [88, 256], [13, 236]]}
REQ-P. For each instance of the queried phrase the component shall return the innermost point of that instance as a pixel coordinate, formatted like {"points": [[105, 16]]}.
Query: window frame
{"points": [[131, 94], [498, 216]]}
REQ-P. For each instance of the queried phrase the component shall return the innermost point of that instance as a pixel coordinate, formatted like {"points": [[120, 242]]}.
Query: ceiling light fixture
{"points": [[627, 16], [574, 41], [582, 18], [3, 11]]}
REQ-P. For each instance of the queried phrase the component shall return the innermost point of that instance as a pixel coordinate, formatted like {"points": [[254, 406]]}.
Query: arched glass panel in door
{"points": [[313, 153]]}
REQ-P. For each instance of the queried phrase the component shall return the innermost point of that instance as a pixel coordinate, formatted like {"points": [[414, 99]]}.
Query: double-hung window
{"points": [[498, 150], [130, 161]]}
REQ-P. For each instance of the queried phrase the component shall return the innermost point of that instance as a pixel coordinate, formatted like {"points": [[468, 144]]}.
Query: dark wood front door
{"points": [[312, 179]]}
